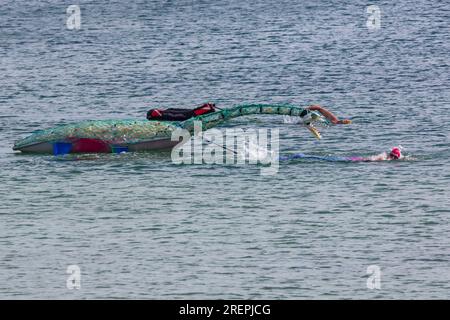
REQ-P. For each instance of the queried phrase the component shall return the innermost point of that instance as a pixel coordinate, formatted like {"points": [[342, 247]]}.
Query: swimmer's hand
{"points": [[345, 121], [315, 132]]}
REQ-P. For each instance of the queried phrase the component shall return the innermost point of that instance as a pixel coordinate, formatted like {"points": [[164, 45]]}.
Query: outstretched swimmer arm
{"points": [[329, 115]]}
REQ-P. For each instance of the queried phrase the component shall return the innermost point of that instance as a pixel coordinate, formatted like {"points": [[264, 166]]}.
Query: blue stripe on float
{"points": [[61, 148], [119, 149]]}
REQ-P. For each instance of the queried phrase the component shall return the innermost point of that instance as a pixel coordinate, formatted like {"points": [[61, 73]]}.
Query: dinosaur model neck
{"points": [[216, 118]]}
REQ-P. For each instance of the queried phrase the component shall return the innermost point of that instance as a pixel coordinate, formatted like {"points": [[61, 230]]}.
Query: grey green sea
{"points": [[139, 226]]}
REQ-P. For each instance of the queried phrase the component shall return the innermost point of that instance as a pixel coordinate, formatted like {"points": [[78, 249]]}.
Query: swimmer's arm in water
{"points": [[379, 157], [329, 115]]}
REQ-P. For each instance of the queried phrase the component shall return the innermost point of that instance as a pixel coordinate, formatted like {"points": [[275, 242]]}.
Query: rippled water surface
{"points": [[139, 226]]}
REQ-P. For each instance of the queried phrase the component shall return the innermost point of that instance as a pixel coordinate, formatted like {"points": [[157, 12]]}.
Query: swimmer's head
{"points": [[306, 117], [395, 153]]}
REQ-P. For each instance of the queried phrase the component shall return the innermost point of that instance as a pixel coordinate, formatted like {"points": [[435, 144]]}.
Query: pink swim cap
{"points": [[396, 153]]}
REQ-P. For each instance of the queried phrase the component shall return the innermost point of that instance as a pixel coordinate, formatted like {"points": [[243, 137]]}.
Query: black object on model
{"points": [[177, 114]]}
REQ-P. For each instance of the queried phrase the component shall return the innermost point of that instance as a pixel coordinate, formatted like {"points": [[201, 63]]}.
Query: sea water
{"points": [[139, 226]]}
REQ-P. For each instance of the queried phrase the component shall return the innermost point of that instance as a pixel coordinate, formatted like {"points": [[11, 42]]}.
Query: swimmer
{"points": [[394, 154], [328, 114]]}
